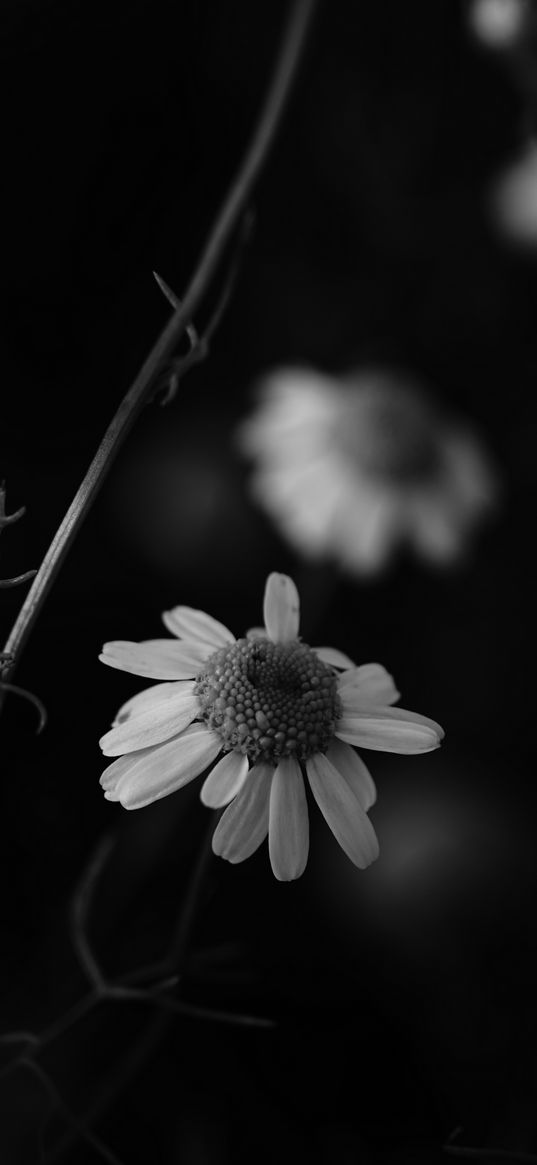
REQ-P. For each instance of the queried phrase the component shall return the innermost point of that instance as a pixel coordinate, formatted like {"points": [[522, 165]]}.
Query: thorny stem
{"points": [[139, 393]]}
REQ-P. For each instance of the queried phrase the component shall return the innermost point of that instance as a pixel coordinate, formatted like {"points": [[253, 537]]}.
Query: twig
{"points": [[6, 657], [80, 912], [18, 579], [121, 992], [171, 964], [78, 1125], [188, 1010], [200, 346], [287, 63], [26, 695], [115, 1081], [514, 1157], [8, 519]]}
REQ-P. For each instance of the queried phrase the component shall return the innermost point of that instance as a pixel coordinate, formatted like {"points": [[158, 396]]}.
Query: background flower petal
{"points": [[288, 822], [342, 811], [354, 772], [158, 659], [161, 770], [188, 623], [281, 608], [245, 822], [225, 780]]}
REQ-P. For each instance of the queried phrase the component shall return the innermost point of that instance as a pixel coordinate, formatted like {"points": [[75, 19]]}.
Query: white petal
{"points": [[156, 772], [244, 824], [257, 633], [111, 776], [158, 659], [281, 608], [187, 623], [334, 657], [295, 404], [437, 531], [366, 687], [145, 700], [276, 492], [225, 780], [342, 811], [390, 730], [354, 772], [168, 712], [368, 533], [305, 494], [288, 822]]}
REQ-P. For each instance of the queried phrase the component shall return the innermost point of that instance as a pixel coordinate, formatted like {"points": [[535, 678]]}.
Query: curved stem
{"points": [[139, 393]]}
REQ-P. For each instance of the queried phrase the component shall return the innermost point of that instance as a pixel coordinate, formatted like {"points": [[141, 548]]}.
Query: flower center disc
{"points": [[389, 430], [269, 700]]}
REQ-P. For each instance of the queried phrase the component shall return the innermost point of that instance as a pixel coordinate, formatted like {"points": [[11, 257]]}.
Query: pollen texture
{"points": [[269, 700]]}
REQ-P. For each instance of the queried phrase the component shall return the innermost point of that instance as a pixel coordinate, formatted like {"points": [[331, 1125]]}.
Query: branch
{"points": [[18, 579], [78, 1126], [507, 1156], [26, 695], [80, 910], [102, 991], [140, 392]]}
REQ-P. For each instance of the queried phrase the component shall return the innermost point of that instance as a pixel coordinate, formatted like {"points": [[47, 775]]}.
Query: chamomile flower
{"points": [[498, 24], [350, 469], [259, 716], [513, 199]]}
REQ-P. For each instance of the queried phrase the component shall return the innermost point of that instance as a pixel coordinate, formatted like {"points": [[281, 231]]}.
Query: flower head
{"points": [[352, 468], [499, 24], [261, 713], [513, 199]]}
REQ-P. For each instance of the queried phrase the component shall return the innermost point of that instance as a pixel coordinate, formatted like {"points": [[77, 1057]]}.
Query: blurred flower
{"points": [[261, 711], [513, 199], [498, 23], [352, 468]]}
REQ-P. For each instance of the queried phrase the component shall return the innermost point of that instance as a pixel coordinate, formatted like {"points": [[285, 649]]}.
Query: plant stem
{"points": [[139, 393]]}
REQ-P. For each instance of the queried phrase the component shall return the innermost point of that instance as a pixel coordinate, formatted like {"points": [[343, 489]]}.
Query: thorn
{"points": [[175, 302], [167, 291]]}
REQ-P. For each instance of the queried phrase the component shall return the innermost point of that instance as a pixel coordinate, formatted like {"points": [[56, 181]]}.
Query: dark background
{"points": [[405, 995]]}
